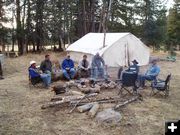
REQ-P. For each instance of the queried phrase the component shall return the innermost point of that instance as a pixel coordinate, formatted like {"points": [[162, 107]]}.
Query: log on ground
{"points": [[93, 110], [85, 107]]}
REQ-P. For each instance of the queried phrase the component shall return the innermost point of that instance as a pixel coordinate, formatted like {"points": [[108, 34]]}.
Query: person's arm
{"points": [[88, 67], [50, 66], [71, 64], [156, 73], [80, 65], [33, 73], [42, 66], [102, 60]]}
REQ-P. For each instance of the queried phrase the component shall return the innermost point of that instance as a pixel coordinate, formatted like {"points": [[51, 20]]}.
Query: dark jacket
{"points": [[46, 65], [33, 72], [133, 68], [67, 63]]}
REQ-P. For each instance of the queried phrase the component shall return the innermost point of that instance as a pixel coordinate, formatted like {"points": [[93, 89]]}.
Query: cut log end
{"points": [[93, 110]]}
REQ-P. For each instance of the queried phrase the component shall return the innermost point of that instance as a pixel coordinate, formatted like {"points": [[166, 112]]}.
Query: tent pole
{"points": [[106, 18], [128, 55]]}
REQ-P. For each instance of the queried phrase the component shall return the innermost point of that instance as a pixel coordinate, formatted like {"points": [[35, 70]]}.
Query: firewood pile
{"points": [[86, 96]]}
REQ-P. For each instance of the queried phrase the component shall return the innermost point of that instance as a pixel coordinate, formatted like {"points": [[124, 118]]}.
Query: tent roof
{"points": [[93, 42]]}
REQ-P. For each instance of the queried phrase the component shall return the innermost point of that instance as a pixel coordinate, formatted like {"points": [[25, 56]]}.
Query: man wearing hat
{"points": [[36, 76], [68, 68], [134, 68], [151, 74]]}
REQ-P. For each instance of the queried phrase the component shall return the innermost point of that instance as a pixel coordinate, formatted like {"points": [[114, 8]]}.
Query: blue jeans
{"points": [[69, 74], [142, 79], [97, 72], [46, 79]]}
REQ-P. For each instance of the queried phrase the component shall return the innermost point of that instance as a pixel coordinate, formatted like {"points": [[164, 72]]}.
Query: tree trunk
{"points": [[84, 17], [23, 26], [39, 25], [19, 27], [1, 71]]}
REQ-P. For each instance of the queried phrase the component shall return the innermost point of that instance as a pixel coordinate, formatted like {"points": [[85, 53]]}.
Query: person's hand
{"points": [[40, 72]]}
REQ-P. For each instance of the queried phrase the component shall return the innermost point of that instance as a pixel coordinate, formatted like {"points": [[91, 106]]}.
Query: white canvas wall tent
{"points": [[119, 50]]}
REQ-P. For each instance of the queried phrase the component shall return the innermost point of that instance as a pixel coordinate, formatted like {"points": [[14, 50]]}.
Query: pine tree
{"points": [[173, 25]]}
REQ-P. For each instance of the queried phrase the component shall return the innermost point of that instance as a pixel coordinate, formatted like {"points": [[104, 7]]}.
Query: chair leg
{"points": [[167, 91], [152, 92], [120, 91]]}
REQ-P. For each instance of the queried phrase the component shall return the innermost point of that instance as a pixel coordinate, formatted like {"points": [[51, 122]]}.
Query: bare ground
{"points": [[21, 114]]}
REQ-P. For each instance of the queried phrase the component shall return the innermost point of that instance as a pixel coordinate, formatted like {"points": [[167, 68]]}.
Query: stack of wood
{"points": [[107, 85], [86, 86], [65, 100], [91, 107]]}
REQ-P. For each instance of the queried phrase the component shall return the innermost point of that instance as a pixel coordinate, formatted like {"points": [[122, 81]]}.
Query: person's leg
{"points": [[49, 79], [66, 75], [49, 76], [143, 78], [86, 73], [89, 72], [94, 73], [72, 73], [45, 78], [101, 72], [79, 72]]}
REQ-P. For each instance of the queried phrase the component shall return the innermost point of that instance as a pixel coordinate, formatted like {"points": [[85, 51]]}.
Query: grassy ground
{"points": [[21, 114]]}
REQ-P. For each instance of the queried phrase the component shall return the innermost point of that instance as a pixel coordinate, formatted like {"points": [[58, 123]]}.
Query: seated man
{"points": [[68, 68], [134, 67], [98, 67], [56, 71], [83, 67], [150, 74], [37, 76], [46, 65]]}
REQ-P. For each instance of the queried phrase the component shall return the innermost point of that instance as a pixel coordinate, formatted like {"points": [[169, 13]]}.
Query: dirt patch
{"points": [[20, 106]]}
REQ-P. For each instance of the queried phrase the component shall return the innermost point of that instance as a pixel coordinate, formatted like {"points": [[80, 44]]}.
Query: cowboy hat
{"points": [[32, 62], [134, 61]]}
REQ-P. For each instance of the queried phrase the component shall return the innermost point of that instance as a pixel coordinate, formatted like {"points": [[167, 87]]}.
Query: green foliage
{"points": [[64, 21], [173, 27]]}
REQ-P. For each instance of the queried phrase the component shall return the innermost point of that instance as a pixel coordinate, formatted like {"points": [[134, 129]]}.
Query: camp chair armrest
{"points": [[160, 80], [118, 80]]}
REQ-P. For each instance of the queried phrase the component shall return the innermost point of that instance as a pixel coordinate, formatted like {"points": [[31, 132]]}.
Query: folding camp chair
{"points": [[35, 82], [129, 79], [161, 86]]}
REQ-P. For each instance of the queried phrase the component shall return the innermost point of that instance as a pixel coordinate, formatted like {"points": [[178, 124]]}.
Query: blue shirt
{"points": [[153, 70], [67, 63], [33, 72], [97, 61]]}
